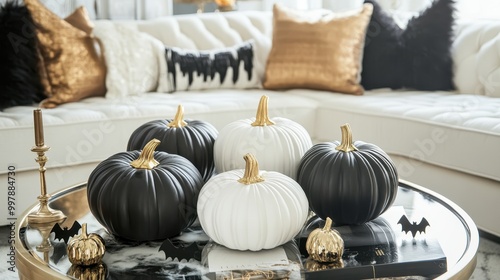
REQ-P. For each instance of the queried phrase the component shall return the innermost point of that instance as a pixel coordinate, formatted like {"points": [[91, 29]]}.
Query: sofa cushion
{"points": [[95, 128], [430, 127], [19, 78], [417, 57], [231, 67], [457, 131], [314, 52], [73, 64]]}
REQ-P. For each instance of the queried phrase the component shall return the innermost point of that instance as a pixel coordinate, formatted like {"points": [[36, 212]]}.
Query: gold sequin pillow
{"points": [[80, 19], [323, 51], [71, 57]]}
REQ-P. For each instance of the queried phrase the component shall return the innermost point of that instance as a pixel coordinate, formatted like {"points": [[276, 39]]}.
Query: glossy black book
{"points": [[377, 249]]}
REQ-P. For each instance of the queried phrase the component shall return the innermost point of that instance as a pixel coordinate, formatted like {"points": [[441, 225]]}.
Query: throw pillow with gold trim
{"points": [[321, 52], [73, 64]]}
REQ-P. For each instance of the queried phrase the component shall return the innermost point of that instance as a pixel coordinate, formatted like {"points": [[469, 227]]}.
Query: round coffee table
{"points": [[40, 256]]}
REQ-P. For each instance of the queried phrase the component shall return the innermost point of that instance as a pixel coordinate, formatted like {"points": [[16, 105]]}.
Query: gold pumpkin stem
{"points": [[146, 159], [178, 119], [347, 144], [251, 175], [84, 231], [262, 116], [328, 224]]}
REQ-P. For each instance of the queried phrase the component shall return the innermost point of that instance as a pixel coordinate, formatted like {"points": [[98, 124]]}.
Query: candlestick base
{"points": [[45, 214], [44, 229]]}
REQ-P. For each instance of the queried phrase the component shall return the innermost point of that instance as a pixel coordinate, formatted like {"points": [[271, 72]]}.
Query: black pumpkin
{"points": [[192, 139], [351, 183], [146, 195]]}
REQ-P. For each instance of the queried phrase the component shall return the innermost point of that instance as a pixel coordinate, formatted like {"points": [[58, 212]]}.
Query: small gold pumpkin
{"points": [[325, 245], [312, 265], [86, 249], [93, 272]]}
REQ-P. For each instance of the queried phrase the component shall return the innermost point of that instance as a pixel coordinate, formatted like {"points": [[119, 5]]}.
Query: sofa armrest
{"points": [[476, 56]]}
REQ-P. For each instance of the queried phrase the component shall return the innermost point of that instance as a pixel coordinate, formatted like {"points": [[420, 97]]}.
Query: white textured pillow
{"points": [[133, 59], [233, 67]]}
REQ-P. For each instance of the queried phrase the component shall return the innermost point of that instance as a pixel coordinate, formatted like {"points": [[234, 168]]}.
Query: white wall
{"points": [[111, 9], [145, 9], [478, 9]]}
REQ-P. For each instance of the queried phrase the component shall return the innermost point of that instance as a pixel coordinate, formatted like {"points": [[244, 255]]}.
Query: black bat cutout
{"points": [[59, 252], [180, 251], [65, 233], [407, 226]]}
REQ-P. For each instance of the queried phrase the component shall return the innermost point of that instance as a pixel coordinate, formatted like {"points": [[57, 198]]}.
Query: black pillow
{"points": [[19, 77], [417, 57]]}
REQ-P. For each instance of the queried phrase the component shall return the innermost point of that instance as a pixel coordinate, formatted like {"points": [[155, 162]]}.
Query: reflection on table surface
{"points": [[187, 256]]}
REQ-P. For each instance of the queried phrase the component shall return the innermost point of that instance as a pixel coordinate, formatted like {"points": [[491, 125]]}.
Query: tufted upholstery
{"points": [[476, 54], [475, 51], [212, 31], [83, 133], [406, 123]]}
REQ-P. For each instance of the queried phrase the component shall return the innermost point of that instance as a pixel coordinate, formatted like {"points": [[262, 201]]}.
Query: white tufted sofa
{"points": [[446, 141]]}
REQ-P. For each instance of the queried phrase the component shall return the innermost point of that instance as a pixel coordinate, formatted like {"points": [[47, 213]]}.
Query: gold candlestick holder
{"points": [[45, 246], [44, 214]]}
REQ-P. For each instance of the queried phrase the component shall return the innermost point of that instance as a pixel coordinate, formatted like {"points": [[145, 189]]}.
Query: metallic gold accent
{"points": [[86, 249], [38, 121], [325, 245], [225, 5], [262, 116], [225, 2], [322, 53], [93, 272], [45, 246], [74, 206], [146, 159], [251, 175], [72, 59], [312, 265], [44, 214], [44, 77], [178, 121], [347, 144], [81, 20]]}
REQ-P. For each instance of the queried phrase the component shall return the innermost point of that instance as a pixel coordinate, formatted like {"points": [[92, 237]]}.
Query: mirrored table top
{"points": [[376, 249]]}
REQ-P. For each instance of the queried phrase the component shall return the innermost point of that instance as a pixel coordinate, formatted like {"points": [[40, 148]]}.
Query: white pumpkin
{"points": [[278, 143], [252, 210]]}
